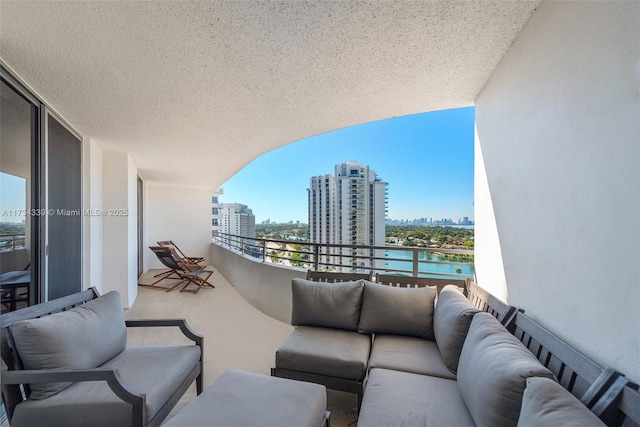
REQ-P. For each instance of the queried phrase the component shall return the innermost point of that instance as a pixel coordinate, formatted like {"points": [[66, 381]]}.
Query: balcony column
{"points": [[119, 214]]}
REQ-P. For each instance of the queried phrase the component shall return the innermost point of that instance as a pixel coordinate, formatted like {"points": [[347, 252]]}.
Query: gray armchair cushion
{"points": [[401, 311], [84, 337], [451, 320], [325, 351], [401, 399], [547, 403], [330, 305], [245, 399], [156, 371], [492, 372], [408, 354]]}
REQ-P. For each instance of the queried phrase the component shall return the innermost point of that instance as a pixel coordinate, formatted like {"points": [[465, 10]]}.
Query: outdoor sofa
{"points": [[428, 359]]}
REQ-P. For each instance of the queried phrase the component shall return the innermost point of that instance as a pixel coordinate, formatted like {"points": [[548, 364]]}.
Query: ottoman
{"points": [[240, 398]]}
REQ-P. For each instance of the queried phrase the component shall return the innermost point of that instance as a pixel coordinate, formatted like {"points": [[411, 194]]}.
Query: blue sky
{"points": [[427, 159], [12, 197]]}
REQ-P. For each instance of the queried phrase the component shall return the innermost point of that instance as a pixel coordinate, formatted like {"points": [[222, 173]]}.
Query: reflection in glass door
{"points": [[19, 207]]}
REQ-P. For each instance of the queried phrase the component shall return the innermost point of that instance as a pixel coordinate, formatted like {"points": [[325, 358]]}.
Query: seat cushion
{"points": [[394, 398], [244, 399], [325, 351], [156, 371], [329, 305], [547, 403], [399, 311], [408, 354], [85, 336], [492, 372], [451, 320]]}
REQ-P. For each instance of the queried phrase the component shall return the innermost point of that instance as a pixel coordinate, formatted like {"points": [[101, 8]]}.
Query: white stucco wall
{"points": [[119, 249], [559, 127], [94, 180], [488, 261], [132, 226], [179, 214]]}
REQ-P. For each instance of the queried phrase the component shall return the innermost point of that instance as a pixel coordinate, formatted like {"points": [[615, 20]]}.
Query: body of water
{"points": [[426, 266]]}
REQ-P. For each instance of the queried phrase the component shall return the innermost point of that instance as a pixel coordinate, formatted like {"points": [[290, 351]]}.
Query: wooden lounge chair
{"points": [[189, 259], [182, 257], [189, 273]]}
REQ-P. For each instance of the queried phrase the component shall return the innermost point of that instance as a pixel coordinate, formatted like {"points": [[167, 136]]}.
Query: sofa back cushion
{"points": [[330, 305], [547, 403], [84, 337], [399, 311], [492, 372], [451, 320]]}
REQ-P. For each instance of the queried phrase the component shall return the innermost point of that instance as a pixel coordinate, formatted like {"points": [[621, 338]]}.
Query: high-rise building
{"points": [[348, 207], [216, 212], [232, 218]]}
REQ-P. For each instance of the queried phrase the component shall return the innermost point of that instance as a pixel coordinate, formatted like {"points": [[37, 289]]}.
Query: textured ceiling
{"points": [[196, 90]]}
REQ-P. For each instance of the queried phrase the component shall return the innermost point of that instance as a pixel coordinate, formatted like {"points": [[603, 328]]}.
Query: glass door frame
{"points": [[35, 202], [45, 114]]}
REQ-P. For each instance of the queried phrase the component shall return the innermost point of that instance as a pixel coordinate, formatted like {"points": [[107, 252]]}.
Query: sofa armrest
{"points": [[110, 375], [181, 323]]}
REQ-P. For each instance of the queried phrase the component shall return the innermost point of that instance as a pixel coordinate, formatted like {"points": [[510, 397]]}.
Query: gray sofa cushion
{"points": [[400, 311], [402, 399], [451, 320], [492, 372], [547, 403], [330, 305], [408, 354], [325, 351], [83, 337], [244, 399], [156, 371]]}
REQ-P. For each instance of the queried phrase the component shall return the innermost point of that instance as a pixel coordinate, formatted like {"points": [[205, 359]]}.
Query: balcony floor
{"points": [[236, 335]]}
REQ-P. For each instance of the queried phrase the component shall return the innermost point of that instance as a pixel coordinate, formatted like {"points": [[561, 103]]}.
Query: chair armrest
{"points": [[110, 375], [181, 323]]}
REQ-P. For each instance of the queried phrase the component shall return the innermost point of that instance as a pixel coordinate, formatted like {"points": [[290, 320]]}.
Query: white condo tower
{"points": [[349, 208]]}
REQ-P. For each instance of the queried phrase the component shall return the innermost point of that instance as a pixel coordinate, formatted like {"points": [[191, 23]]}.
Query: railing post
{"points": [[415, 263], [316, 257], [264, 251]]}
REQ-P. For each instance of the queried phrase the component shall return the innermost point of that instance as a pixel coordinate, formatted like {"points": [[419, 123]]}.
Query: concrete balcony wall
{"points": [[557, 124], [264, 285]]}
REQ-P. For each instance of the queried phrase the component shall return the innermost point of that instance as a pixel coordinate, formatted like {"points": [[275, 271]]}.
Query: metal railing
{"points": [[11, 242], [413, 261]]}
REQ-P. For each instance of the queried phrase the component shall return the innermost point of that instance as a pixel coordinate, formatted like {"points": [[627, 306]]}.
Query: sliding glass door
{"points": [[40, 200], [19, 202], [64, 209]]}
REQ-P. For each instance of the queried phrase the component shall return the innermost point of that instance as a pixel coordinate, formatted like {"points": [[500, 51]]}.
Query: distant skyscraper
{"points": [[348, 207]]}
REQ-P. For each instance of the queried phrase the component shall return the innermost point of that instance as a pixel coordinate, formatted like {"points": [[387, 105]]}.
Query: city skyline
{"points": [[427, 159]]}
